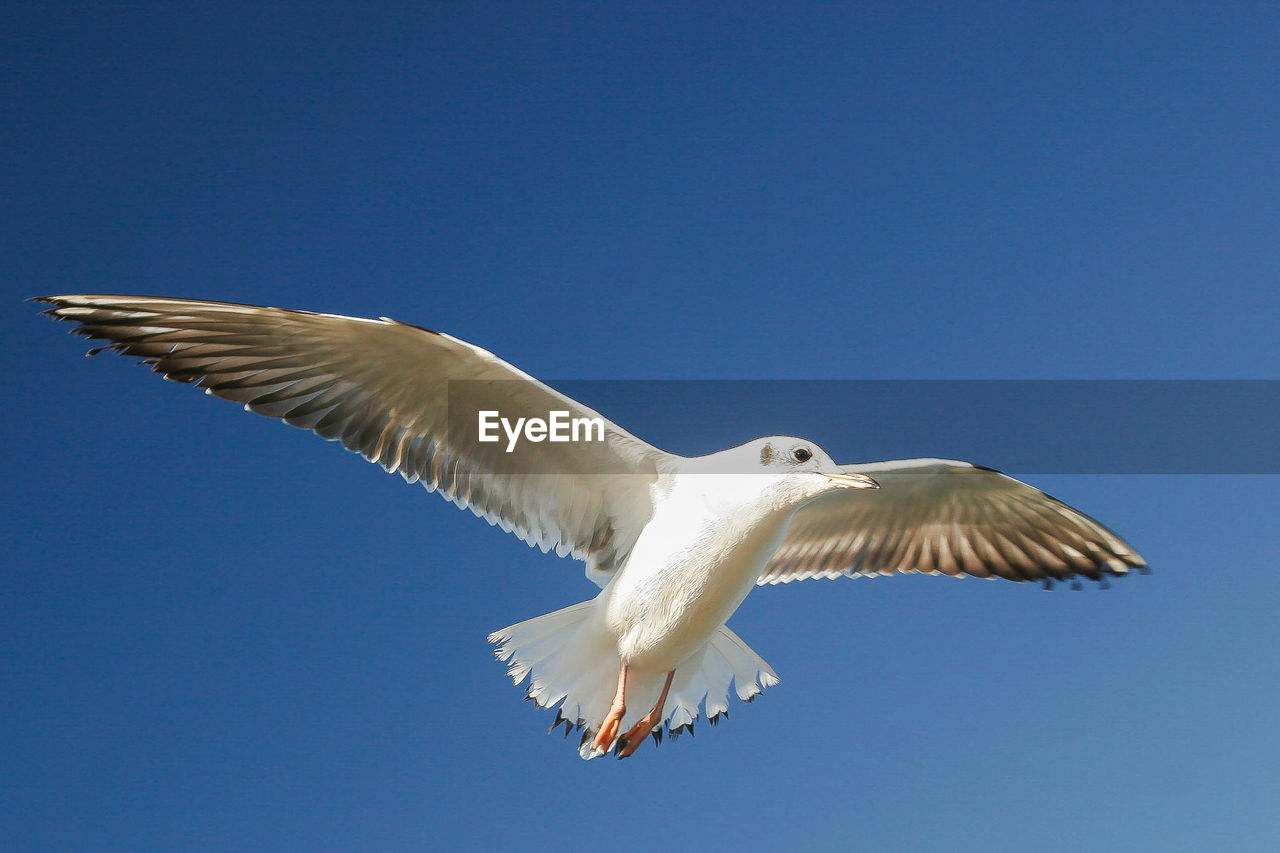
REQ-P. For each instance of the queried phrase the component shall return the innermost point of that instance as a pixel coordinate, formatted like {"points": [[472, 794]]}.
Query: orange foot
{"points": [[613, 720], [636, 734], [609, 728]]}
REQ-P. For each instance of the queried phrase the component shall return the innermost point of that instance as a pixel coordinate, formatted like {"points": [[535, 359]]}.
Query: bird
{"points": [[674, 543]]}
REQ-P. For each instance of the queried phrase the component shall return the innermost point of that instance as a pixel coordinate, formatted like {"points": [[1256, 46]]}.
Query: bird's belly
{"points": [[662, 612]]}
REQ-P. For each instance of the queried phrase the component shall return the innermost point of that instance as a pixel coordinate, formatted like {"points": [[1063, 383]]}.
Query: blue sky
{"points": [[222, 633]]}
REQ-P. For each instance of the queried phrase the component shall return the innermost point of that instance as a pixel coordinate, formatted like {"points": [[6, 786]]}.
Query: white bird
{"points": [[675, 543]]}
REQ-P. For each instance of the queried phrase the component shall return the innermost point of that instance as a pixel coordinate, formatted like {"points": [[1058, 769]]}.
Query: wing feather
{"points": [[937, 516], [382, 389]]}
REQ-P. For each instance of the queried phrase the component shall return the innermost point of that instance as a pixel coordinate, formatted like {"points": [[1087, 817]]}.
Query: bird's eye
{"points": [[802, 454]]}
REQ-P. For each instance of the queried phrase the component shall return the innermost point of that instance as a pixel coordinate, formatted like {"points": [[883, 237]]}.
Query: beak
{"points": [[849, 480]]}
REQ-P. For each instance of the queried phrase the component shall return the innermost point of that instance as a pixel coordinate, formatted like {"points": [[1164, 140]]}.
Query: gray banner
{"points": [[1017, 426]]}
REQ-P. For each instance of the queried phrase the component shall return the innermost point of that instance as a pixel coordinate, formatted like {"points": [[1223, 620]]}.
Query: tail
{"points": [[572, 662]]}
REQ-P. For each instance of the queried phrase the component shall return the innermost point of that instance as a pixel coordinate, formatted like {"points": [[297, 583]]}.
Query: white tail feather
{"points": [[568, 657]]}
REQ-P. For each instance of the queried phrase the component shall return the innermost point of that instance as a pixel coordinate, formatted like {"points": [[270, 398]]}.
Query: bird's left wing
{"points": [[938, 516], [385, 390]]}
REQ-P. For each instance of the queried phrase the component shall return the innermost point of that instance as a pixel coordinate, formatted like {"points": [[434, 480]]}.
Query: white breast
{"points": [[691, 567]]}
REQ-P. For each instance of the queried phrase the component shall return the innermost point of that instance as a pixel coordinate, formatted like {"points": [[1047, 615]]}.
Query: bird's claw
{"points": [[635, 735], [609, 728]]}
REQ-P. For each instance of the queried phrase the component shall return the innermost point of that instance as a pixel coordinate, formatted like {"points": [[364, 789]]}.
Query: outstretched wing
{"points": [[398, 395], [938, 516]]}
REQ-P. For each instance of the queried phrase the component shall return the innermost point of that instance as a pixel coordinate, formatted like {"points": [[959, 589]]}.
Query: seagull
{"points": [[674, 543]]}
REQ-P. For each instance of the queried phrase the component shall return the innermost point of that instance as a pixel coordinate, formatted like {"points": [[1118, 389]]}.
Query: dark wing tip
{"points": [[56, 301], [410, 325]]}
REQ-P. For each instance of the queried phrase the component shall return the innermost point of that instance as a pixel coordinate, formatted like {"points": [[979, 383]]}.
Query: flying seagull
{"points": [[675, 543]]}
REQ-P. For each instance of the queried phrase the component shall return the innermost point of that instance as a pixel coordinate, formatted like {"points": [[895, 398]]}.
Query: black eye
{"points": [[802, 454]]}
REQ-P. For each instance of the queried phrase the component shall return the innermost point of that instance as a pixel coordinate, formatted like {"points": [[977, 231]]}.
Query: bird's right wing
{"points": [[386, 390], [938, 516]]}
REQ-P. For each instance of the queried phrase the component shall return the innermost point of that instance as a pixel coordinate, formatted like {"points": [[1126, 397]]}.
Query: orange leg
{"points": [[636, 734], [613, 720]]}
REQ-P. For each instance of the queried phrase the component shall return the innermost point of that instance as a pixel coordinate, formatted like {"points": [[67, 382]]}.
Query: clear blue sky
{"points": [[221, 633]]}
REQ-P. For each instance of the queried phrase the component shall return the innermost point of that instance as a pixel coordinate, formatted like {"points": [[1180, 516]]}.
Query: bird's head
{"points": [[795, 470]]}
